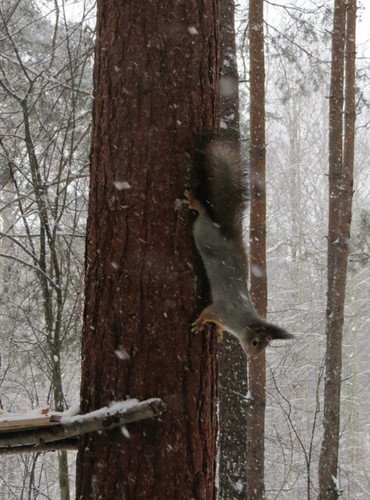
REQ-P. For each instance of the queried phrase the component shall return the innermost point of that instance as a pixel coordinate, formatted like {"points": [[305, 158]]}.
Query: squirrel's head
{"points": [[258, 336]]}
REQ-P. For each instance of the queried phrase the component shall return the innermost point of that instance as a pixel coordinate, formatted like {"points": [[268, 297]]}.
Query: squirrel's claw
{"points": [[187, 197], [197, 326], [219, 334]]}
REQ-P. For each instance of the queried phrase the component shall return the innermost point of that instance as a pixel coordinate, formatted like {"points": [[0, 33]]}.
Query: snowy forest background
{"points": [[46, 60]]}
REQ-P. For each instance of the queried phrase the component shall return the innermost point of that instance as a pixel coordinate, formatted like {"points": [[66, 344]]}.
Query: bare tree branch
{"points": [[37, 269]]}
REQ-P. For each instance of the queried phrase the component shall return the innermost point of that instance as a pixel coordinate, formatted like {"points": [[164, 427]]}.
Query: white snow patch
{"points": [[122, 354], [257, 27], [223, 124], [125, 432], [193, 30], [178, 204], [337, 485], [114, 407], [248, 396], [120, 185], [257, 271], [72, 411], [38, 413], [238, 487], [226, 86], [13, 417]]}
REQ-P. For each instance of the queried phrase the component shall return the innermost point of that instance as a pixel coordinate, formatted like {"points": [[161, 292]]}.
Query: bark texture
{"points": [[156, 89], [258, 290], [341, 159], [232, 385]]}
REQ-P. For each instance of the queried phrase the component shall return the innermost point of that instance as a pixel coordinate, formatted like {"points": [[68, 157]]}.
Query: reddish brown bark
{"points": [[257, 370], [229, 71], [350, 111], [232, 385], [156, 90], [341, 159]]}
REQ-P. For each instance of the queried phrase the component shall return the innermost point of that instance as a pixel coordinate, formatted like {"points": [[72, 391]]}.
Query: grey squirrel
{"points": [[220, 198]]}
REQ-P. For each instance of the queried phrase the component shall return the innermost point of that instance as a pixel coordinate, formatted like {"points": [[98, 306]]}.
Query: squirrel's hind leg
{"points": [[192, 202]]}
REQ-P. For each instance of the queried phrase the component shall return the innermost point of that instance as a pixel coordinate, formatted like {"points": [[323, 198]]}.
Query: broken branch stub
{"points": [[107, 418]]}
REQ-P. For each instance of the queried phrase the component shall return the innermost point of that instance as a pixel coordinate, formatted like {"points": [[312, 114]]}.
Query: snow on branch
{"points": [[63, 428]]}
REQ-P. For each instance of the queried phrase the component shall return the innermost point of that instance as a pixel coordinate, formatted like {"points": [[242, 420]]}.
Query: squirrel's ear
{"points": [[275, 332], [272, 332]]}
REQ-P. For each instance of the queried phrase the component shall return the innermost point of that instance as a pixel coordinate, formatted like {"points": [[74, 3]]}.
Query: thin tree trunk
{"points": [[257, 370], [52, 299], [341, 158], [232, 385], [156, 91], [350, 111], [57, 387], [63, 475]]}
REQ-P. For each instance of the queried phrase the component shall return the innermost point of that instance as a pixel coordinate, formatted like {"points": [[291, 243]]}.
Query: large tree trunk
{"points": [[156, 90], [341, 159], [232, 385], [257, 371]]}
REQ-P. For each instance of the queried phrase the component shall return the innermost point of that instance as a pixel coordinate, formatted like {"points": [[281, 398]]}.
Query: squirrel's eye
{"points": [[255, 342]]}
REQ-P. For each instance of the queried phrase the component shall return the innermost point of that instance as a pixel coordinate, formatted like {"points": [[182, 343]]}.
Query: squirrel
{"points": [[220, 200]]}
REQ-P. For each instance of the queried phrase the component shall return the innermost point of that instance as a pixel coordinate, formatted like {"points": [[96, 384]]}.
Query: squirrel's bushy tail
{"points": [[221, 184]]}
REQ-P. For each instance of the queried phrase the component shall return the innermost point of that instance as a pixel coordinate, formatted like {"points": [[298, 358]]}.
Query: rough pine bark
{"points": [[232, 385], [156, 90], [341, 160], [258, 290]]}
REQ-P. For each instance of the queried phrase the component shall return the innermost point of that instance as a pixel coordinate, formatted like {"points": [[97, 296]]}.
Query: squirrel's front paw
{"points": [[198, 326], [208, 316]]}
